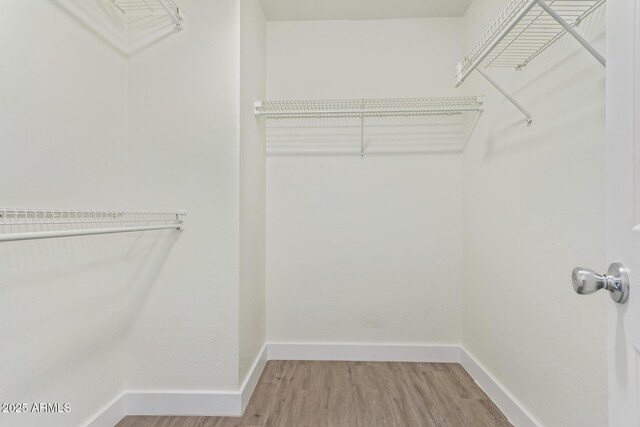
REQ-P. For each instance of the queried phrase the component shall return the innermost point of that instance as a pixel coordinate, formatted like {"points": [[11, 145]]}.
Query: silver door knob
{"points": [[616, 281]]}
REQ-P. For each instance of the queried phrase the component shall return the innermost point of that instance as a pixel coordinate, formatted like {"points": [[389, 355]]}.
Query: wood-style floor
{"points": [[355, 394]]}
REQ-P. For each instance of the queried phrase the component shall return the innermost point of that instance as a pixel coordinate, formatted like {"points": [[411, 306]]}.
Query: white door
{"points": [[623, 206]]}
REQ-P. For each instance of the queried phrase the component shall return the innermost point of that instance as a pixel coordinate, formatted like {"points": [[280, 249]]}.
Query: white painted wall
{"points": [[183, 131], [63, 121], [309, 10], [534, 210], [365, 251], [354, 59], [253, 81], [149, 120]]}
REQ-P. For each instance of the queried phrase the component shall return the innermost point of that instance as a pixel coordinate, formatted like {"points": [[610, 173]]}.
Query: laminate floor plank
{"points": [[354, 394]]}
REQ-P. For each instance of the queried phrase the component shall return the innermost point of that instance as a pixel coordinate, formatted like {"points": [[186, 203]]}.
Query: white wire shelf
{"points": [[524, 30], [142, 8], [75, 222], [366, 107], [462, 113]]}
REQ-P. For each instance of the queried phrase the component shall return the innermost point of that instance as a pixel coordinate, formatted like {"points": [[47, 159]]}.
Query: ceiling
{"points": [[312, 10]]}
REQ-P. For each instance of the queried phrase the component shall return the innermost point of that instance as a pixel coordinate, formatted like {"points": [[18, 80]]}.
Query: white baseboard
{"points": [[365, 352], [111, 414], [206, 404], [510, 407], [249, 384], [234, 403], [215, 403]]}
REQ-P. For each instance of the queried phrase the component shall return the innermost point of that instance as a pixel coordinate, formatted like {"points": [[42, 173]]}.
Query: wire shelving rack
{"points": [[524, 30], [463, 112], [142, 8], [19, 224]]}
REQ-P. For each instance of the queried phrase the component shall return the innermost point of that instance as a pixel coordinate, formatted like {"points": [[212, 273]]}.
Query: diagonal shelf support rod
{"points": [[507, 95]]}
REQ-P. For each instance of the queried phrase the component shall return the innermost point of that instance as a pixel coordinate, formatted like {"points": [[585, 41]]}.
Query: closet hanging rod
{"points": [[24, 217], [13, 237]]}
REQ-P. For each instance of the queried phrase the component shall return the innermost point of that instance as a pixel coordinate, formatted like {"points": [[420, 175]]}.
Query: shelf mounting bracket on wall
{"points": [[522, 32]]}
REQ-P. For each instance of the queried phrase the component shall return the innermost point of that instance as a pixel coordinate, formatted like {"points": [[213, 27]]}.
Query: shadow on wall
{"points": [[65, 302], [126, 35], [147, 257], [445, 133]]}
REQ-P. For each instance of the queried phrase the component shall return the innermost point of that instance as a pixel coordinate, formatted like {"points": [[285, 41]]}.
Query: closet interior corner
{"points": [[316, 213]]}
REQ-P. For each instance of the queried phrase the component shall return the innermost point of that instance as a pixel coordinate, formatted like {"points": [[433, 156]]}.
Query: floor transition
{"points": [[355, 394]]}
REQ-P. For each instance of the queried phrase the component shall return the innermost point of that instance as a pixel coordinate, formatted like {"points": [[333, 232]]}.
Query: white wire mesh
{"points": [[146, 8], [387, 125], [367, 107], [11, 216], [530, 36]]}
